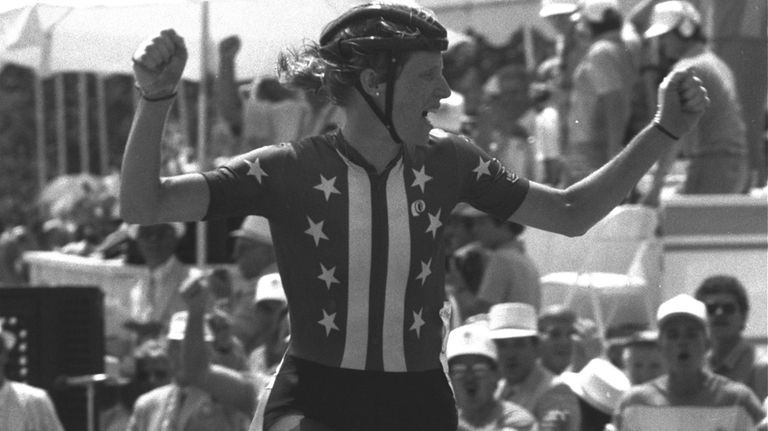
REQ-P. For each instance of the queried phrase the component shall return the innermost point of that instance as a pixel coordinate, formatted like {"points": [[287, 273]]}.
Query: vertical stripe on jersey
{"points": [[356, 327], [398, 263]]}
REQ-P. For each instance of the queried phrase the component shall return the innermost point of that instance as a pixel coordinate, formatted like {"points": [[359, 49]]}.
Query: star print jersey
{"points": [[359, 252]]}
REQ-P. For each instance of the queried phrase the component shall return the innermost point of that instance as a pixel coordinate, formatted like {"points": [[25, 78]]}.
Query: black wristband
{"points": [[158, 99], [155, 99], [661, 128]]}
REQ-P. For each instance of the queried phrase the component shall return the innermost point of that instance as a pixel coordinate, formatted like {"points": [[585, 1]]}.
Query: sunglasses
{"points": [[725, 308], [479, 370]]}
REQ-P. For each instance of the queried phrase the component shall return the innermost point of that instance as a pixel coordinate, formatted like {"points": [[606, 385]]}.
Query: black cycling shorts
{"points": [[356, 400]]}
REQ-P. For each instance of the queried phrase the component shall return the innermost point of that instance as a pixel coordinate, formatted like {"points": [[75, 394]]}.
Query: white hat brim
{"points": [[557, 9], [656, 30], [502, 333]]}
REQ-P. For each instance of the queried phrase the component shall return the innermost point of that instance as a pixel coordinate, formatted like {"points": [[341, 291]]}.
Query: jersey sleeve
{"points": [[486, 183], [251, 183]]}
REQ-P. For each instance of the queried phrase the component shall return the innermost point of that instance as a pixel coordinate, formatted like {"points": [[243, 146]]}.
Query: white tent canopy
{"points": [[101, 38]]}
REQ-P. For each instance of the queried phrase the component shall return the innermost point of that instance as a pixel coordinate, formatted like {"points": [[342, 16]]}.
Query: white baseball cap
{"points": [[512, 320], [682, 305], [471, 339], [593, 10], [557, 7], [668, 15], [270, 288], [178, 228], [600, 384], [255, 228], [178, 326]]}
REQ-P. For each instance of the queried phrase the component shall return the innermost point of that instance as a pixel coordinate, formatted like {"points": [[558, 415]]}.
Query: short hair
{"points": [[557, 312], [612, 20], [723, 283]]}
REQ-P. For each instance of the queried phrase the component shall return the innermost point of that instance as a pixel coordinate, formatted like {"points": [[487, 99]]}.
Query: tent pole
{"points": [[101, 117], [202, 123], [42, 160], [61, 125], [82, 104]]}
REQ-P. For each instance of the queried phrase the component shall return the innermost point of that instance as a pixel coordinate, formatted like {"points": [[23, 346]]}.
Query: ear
{"points": [[371, 83]]}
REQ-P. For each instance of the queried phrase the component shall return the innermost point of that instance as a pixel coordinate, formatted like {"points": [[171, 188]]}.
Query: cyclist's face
{"points": [[418, 90]]}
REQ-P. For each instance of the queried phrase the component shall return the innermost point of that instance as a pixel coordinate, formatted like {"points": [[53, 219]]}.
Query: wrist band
{"points": [[158, 99], [154, 99], [661, 128]]}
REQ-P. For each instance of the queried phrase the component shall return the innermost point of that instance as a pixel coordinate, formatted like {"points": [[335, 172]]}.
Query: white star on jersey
{"points": [[328, 276], [426, 271], [482, 168], [434, 223], [327, 187], [418, 322], [328, 322], [255, 170], [315, 231], [421, 178]]}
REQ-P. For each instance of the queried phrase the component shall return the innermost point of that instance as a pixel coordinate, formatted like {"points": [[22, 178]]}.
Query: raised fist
{"points": [[229, 47], [682, 101], [158, 64]]}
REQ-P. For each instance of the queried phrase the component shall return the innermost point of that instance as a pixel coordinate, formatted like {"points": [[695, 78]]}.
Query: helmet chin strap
{"points": [[386, 116]]}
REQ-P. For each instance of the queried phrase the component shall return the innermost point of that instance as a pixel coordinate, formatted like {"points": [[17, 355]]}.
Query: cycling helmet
{"points": [[378, 36]]}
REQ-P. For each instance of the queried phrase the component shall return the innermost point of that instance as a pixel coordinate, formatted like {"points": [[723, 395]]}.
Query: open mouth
{"points": [[683, 356]]}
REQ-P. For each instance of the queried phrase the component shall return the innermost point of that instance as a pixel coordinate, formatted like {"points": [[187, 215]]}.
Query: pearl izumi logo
{"points": [[418, 207]]}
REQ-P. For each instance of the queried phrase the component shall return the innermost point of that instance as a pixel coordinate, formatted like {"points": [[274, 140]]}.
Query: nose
{"points": [[444, 90]]}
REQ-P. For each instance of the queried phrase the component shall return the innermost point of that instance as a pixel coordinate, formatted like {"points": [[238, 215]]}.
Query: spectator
{"points": [[177, 405], [717, 148], [474, 371], [503, 128], [231, 388], [641, 357], [727, 311], [254, 256], [152, 366], [273, 328], [689, 396], [588, 344], [22, 407], [510, 274], [464, 274], [13, 243], [269, 112], [599, 386], [156, 297], [569, 48], [525, 381], [601, 92], [546, 134], [557, 329]]}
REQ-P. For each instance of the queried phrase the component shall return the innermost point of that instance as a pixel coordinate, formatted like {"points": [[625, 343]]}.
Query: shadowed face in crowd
{"points": [[252, 257], [474, 379], [684, 343], [517, 356], [726, 318], [556, 343], [642, 362], [157, 243]]}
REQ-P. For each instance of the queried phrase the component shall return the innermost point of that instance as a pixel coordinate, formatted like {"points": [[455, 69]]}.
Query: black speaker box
{"points": [[59, 333]]}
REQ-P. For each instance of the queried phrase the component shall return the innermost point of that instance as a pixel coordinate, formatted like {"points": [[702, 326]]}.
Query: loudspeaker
{"points": [[59, 333]]}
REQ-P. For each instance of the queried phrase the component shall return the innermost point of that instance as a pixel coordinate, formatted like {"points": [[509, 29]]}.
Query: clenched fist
{"points": [[158, 64], [682, 101]]}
